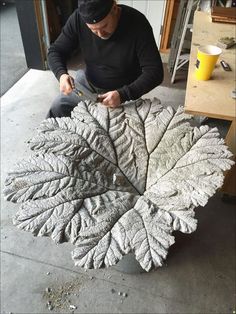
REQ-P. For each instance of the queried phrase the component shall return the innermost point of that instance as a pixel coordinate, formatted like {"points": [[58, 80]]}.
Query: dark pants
{"points": [[64, 104]]}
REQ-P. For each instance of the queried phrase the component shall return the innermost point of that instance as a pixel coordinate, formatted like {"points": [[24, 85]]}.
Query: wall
{"points": [[153, 10]]}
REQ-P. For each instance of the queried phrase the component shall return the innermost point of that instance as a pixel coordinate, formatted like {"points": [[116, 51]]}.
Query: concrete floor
{"points": [[12, 60], [199, 275]]}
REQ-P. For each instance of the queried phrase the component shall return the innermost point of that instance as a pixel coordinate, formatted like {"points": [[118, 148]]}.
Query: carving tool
{"points": [[225, 65], [82, 91]]}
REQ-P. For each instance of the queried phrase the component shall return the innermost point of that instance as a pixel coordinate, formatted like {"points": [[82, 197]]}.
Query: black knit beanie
{"points": [[93, 11]]}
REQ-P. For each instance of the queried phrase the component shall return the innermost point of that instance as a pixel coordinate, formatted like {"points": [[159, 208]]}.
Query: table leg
{"points": [[229, 186]]}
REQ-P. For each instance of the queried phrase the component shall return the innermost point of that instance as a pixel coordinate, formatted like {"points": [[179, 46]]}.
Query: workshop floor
{"points": [[199, 275], [12, 59]]}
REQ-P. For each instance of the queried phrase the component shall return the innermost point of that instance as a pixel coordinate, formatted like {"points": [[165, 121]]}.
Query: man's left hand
{"points": [[110, 99]]}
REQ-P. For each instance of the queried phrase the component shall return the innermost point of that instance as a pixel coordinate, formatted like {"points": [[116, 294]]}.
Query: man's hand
{"points": [[66, 84], [110, 99]]}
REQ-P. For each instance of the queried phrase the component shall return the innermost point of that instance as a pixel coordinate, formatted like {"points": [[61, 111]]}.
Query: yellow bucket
{"points": [[207, 57]]}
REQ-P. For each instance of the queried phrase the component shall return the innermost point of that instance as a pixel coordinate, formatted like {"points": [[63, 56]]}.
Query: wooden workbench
{"points": [[212, 98]]}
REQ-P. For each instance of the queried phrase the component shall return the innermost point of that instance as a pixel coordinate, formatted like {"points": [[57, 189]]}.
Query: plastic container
{"points": [[207, 57]]}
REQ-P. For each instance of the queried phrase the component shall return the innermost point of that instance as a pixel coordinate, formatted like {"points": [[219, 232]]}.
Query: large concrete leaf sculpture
{"points": [[112, 181]]}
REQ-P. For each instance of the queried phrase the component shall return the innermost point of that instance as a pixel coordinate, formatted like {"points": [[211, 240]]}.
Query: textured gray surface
{"points": [[112, 181], [12, 61], [199, 276]]}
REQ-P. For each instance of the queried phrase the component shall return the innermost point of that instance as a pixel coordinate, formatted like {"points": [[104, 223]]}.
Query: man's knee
{"points": [[62, 106], [80, 77]]}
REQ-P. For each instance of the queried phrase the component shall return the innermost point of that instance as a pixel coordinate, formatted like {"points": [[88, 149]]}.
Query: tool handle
{"points": [[72, 83], [225, 65]]}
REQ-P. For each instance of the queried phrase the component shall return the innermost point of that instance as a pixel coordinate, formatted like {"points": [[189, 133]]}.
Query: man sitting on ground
{"points": [[120, 53]]}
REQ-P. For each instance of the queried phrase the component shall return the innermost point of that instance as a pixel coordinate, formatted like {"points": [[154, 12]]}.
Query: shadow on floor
{"points": [[180, 78]]}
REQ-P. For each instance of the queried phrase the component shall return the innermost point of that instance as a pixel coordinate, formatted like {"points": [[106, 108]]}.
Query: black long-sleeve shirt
{"points": [[129, 61]]}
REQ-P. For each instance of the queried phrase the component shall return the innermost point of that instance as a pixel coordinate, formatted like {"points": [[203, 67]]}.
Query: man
{"points": [[121, 57]]}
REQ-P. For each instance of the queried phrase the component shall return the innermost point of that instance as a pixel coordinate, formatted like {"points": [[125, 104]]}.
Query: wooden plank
{"points": [[211, 98], [221, 19], [167, 25], [39, 21], [230, 137], [175, 41], [53, 20], [226, 15], [229, 186]]}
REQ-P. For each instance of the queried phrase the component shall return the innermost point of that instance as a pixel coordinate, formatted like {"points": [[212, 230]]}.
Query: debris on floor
{"points": [[120, 293], [58, 298]]}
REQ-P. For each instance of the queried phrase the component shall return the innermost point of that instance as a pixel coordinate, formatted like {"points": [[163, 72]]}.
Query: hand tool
{"points": [[83, 91], [225, 65]]}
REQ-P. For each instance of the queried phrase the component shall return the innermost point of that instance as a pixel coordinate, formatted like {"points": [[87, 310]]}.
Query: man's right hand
{"points": [[66, 84]]}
